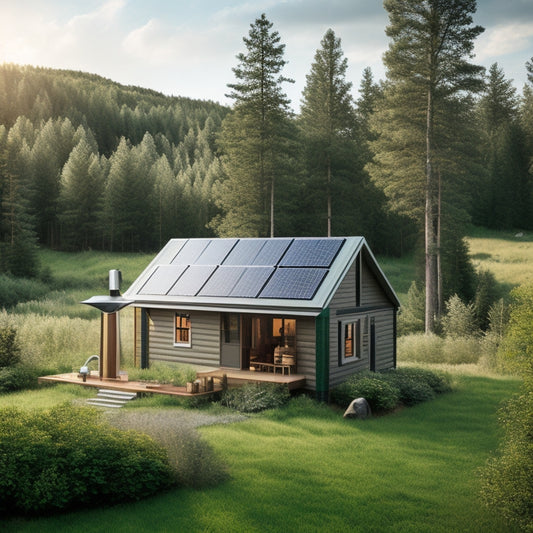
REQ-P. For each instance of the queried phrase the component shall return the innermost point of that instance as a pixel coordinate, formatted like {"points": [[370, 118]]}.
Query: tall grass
{"points": [[62, 343], [508, 256]]}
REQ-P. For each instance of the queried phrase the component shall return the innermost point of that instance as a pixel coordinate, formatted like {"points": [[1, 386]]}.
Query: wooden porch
{"points": [[126, 386], [238, 377], [235, 378]]}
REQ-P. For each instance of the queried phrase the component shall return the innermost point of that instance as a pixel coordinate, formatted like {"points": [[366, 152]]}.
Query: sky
{"points": [[188, 48]]}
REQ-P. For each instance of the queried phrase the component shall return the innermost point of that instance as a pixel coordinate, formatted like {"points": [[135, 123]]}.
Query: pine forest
{"points": [[87, 163]]}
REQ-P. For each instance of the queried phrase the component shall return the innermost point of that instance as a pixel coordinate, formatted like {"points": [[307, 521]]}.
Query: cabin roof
{"points": [[292, 275]]}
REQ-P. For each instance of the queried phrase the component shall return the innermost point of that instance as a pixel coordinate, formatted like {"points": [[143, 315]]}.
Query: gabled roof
{"points": [[292, 275]]}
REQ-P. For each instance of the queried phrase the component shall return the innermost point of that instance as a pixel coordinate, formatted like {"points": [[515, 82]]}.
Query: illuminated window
{"points": [[350, 335], [182, 333]]}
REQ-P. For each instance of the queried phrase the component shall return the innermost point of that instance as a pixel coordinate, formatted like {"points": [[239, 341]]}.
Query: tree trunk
{"points": [[272, 207], [431, 245], [329, 198]]}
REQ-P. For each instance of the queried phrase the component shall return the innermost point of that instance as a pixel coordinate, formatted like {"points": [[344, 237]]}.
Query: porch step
{"points": [[111, 398]]}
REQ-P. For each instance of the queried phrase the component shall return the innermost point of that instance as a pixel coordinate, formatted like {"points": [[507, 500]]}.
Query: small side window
{"points": [[182, 333], [350, 341]]}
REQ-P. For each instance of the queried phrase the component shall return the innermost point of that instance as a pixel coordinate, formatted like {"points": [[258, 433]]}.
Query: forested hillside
{"points": [[88, 163]]}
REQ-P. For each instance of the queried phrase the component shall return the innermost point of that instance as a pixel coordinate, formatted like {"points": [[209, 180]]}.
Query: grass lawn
{"points": [[304, 468], [507, 256]]}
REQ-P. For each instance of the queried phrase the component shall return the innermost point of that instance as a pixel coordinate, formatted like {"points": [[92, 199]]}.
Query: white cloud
{"points": [[504, 39]]}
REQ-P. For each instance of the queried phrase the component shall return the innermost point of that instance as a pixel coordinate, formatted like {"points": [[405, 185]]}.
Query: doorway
{"points": [[230, 340]]}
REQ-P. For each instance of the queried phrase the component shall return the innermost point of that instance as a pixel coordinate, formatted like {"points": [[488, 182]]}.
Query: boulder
{"points": [[359, 408]]}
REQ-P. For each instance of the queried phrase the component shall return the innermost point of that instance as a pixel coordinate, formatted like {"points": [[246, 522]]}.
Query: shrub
{"points": [[17, 377], [252, 397], [413, 389], [507, 479], [460, 318], [440, 382], [9, 347], [381, 396], [67, 457], [385, 390], [411, 315], [14, 290]]}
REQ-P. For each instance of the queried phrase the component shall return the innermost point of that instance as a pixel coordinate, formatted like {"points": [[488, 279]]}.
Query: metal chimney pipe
{"points": [[115, 277]]}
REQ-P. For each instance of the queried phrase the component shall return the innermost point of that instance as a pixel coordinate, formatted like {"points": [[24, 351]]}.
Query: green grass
{"points": [[508, 257], [46, 397], [304, 468], [400, 272]]}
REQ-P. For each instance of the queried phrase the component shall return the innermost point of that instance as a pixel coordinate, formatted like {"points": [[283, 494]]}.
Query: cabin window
{"points": [[350, 341], [182, 333]]}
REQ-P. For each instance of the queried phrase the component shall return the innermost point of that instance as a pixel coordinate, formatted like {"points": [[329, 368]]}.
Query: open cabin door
{"points": [[230, 340]]}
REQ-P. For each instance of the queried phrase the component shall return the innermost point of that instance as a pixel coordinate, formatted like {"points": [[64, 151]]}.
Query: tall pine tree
{"points": [[327, 119], [254, 137], [427, 66]]}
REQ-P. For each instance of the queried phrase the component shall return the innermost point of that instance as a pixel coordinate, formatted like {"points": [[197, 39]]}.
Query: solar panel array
{"points": [[290, 269]]}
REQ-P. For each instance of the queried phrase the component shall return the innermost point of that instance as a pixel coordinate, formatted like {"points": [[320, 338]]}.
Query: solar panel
{"points": [[222, 281], [271, 252], [215, 252], [190, 251], [251, 282], [312, 253], [162, 279], [244, 252], [294, 283], [192, 280]]}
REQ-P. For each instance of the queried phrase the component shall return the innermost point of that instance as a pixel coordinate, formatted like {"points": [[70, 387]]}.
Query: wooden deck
{"points": [[235, 376], [126, 386]]}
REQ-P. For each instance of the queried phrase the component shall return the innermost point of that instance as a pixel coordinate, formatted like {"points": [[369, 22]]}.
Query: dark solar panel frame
{"points": [[216, 252], [318, 253], [222, 282], [162, 279], [190, 251], [251, 282], [192, 280], [272, 251], [294, 283]]}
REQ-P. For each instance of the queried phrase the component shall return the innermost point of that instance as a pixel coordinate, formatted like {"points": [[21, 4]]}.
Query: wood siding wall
{"points": [[205, 338], [305, 350], [373, 304]]}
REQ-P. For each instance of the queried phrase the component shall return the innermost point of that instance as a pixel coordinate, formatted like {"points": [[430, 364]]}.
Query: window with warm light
{"points": [[182, 332], [350, 347]]}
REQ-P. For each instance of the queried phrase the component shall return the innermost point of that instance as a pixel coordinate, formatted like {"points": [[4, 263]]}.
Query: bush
{"points": [[9, 347], [17, 377], [252, 397], [460, 319], [14, 290], [507, 479], [67, 457], [381, 396], [413, 388], [385, 390], [439, 382]]}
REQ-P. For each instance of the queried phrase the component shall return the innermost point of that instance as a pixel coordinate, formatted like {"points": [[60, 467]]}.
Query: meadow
{"points": [[302, 467]]}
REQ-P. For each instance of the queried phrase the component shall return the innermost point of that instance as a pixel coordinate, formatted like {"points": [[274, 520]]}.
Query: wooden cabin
{"points": [[317, 308]]}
